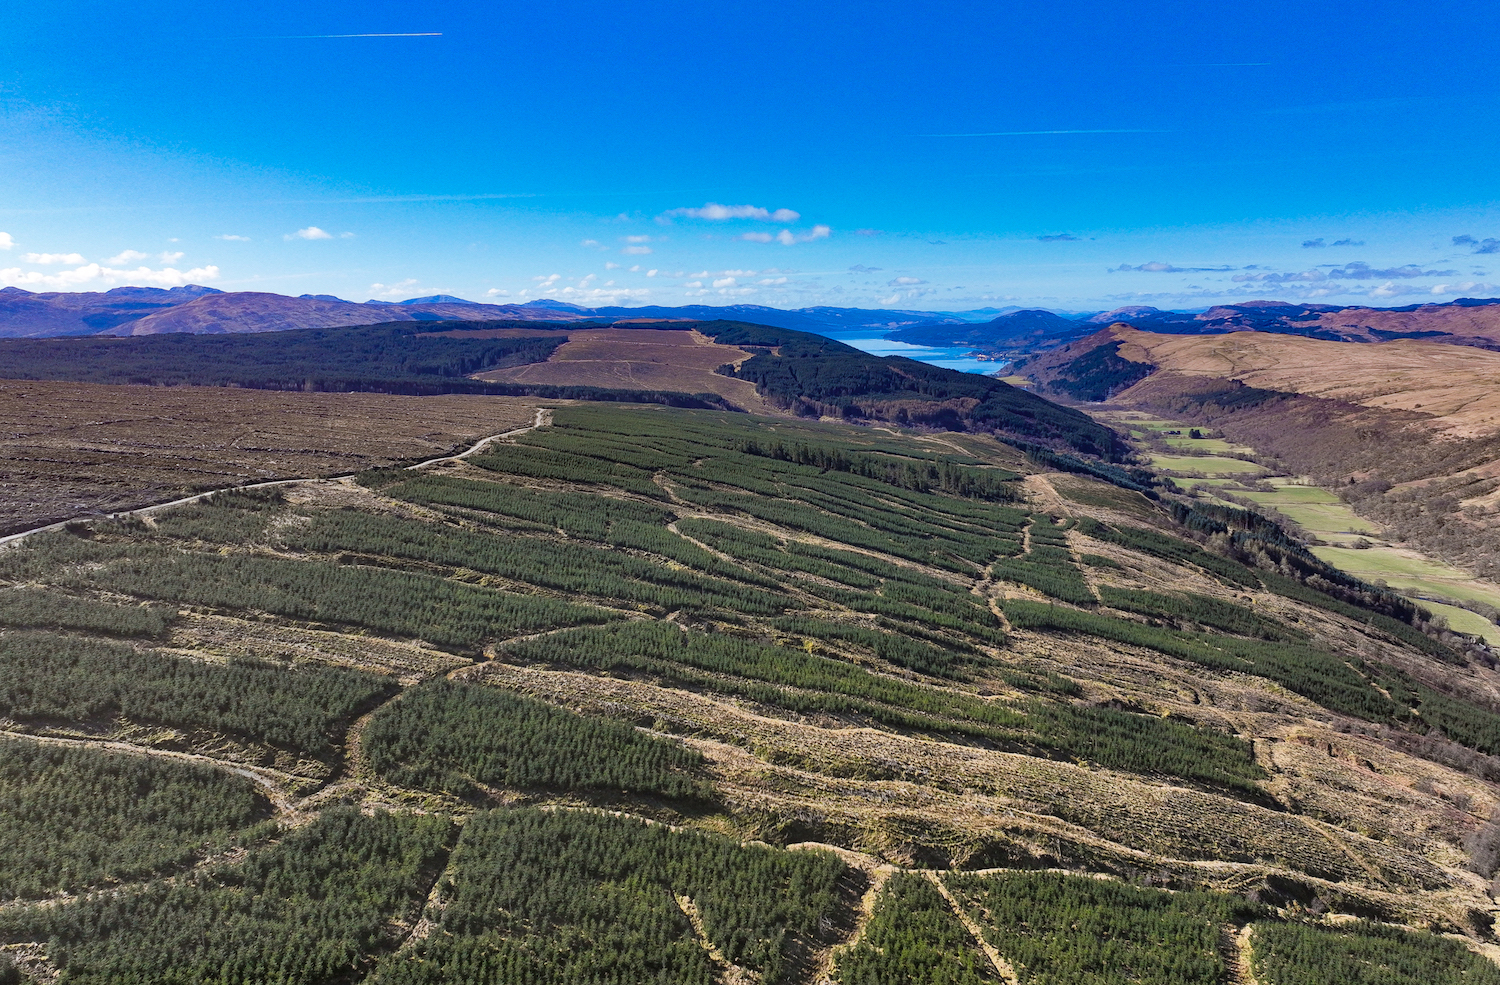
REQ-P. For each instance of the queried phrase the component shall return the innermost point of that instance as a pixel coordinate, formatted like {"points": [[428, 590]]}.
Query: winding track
{"points": [[543, 418]]}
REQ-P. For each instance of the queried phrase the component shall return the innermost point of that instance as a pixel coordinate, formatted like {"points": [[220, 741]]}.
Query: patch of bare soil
{"points": [[226, 636], [641, 359], [73, 449]]}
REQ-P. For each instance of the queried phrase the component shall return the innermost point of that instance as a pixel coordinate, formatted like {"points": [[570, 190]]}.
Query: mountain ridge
{"points": [[1009, 333]]}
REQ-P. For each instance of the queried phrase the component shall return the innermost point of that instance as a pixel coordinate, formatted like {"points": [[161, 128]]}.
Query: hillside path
{"points": [[543, 418], [997, 960]]}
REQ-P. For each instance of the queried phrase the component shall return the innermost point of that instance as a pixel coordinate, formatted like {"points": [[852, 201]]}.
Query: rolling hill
{"points": [[195, 309], [646, 693], [89, 434], [1022, 334], [1406, 431]]}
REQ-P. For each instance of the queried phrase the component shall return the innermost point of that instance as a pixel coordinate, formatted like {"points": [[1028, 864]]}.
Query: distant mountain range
{"points": [[1467, 321], [1006, 332], [203, 310]]}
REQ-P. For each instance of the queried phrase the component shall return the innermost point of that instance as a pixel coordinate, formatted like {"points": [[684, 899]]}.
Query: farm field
{"points": [[1205, 446], [648, 694], [1316, 510], [1207, 464], [75, 448], [1323, 515], [1422, 577]]}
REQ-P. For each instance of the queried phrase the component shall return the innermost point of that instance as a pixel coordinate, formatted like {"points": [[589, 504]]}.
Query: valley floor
{"points": [[1350, 542]]}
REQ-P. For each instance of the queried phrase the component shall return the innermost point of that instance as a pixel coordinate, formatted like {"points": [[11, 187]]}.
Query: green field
{"points": [[1324, 516], [1389, 563], [1205, 446], [1423, 578], [1465, 621], [1208, 465], [1317, 510]]}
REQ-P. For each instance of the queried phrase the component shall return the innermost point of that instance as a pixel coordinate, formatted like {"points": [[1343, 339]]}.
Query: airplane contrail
{"points": [[313, 37], [1033, 133]]}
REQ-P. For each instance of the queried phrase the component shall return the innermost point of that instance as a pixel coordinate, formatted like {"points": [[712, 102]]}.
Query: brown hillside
{"points": [[256, 312], [71, 449], [1408, 432], [1458, 387], [641, 359], [1466, 323]]}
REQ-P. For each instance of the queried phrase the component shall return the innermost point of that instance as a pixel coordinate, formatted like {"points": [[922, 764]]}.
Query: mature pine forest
{"points": [[657, 695]]}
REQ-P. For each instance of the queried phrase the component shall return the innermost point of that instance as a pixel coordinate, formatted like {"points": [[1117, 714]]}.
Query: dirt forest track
{"points": [[696, 635], [89, 450], [543, 416]]}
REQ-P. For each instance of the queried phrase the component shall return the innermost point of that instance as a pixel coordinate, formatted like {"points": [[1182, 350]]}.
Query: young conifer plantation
{"points": [[647, 694]]}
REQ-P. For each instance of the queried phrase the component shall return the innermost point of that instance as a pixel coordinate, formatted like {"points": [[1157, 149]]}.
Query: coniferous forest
{"points": [[648, 694]]}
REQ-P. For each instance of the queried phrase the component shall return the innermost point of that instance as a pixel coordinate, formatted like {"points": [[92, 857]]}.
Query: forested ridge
{"points": [[818, 376], [657, 695]]}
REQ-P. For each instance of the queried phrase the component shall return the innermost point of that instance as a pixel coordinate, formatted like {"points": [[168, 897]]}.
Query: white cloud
{"points": [[50, 258], [771, 281], [786, 237], [1157, 267], [1472, 287], [6, 242], [905, 282], [548, 281], [718, 213], [232, 238], [611, 265], [758, 237], [724, 282], [693, 283], [393, 290], [169, 257], [739, 273], [635, 239], [636, 251], [95, 274], [125, 256], [496, 292], [593, 244], [636, 268], [608, 294], [311, 232], [651, 273], [166, 277], [346, 235]]}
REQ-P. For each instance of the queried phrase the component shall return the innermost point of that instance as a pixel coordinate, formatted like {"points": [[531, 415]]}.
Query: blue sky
{"points": [[1077, 155]]}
